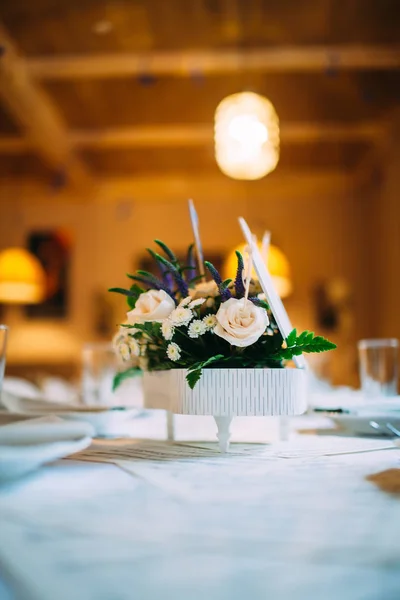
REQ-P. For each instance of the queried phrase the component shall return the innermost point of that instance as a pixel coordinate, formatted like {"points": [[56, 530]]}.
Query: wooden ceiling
{"points": [[94, 88]]}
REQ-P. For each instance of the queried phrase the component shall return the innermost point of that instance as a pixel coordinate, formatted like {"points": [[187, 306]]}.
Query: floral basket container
{"points": [[213, 347], [240, 393]]}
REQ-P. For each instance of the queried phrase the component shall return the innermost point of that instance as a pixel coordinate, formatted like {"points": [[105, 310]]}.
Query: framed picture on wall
{"points": [[53, 249]]}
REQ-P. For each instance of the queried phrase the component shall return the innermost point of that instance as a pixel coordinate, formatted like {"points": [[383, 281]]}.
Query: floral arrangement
{"points": [[180, 320]]}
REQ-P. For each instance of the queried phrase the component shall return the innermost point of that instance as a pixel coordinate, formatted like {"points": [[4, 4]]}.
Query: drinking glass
{"points": [[378, 367], [3, 346], [99, 366]]}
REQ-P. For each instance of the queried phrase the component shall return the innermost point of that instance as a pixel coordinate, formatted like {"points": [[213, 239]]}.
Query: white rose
{"points": [[240, 322], [204, 289], [154, 305]]}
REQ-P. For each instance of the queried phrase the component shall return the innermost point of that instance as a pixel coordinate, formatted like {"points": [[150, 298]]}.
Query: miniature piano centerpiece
{"points": [[209, 346]]}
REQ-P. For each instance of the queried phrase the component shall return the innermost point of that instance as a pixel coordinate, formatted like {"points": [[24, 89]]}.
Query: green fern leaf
{"points": [[291, 338], [193, 377], [302, 337]]}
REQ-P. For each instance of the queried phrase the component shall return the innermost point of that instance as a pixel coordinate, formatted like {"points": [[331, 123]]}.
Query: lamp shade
{"points": [[278, 266], [246, 134], [22, 279]]}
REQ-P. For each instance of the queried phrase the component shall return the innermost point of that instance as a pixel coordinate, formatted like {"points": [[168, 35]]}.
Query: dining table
{"points": [[313, 517]]}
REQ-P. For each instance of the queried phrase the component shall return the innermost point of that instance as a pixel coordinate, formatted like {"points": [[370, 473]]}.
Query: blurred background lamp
{"points": [[278, 266], [22, 279], [246, 131]]}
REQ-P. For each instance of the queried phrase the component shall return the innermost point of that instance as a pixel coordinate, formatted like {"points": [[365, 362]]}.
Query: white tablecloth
{"points": [[266, 527]]}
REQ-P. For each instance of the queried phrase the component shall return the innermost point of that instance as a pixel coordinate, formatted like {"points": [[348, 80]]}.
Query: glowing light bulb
{"points": [[246, 136], [248, 130]]}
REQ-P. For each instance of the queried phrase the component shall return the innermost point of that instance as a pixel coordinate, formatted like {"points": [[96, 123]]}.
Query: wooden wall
{"points": [[320, 230], [384, 297]]}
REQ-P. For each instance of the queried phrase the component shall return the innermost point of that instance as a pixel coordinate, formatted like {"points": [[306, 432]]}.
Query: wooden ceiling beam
{"points": [[45, 131], [301, 183], [185, 136], [184, 64], [178, 186]]}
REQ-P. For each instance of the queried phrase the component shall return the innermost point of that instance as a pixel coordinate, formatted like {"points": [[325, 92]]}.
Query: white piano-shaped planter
{"points": [[228, 393]]}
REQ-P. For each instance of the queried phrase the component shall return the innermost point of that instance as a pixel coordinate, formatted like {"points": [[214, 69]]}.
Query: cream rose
{"points": [[204, 289], [240, 322], [154, 305]]}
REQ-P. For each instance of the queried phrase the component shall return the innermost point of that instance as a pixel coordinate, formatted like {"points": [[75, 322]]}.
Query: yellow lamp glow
{"points": [[22, 279], [246, 133], [278, 266]]}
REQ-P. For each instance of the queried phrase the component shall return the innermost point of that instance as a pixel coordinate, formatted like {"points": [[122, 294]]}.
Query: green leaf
{"points": [[212, 359], [291, 338], [225, 284], [118, 290], [173, 269], [322, 346], [195, 371], [309, 337], [120, 377], [193, 377], [305, 342], [132, 294], [302, 337], [260, 303], [167, 251]]}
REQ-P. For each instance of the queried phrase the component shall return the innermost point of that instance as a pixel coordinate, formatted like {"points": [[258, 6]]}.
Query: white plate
{"points": [[360, 424], [16, 461]]}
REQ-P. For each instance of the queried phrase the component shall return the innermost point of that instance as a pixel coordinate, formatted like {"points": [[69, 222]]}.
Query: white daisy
{"points": [[167, 330], [134, 346], [173, 351], [210, 321], [185, 301], [181, 316], [124, 351], [197, 302], [197, 328]]}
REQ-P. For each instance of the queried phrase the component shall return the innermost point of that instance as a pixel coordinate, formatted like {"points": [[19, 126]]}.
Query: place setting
{"points": [[374, 410]]}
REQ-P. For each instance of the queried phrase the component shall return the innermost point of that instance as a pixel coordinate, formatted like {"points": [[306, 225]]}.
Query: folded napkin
{"points": [[44, 430], [15, 386], [26, 445]]}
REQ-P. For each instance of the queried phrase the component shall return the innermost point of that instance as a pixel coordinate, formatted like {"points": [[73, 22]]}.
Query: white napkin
{"points": [[44, 430], [26, 445], [15, 386]]}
